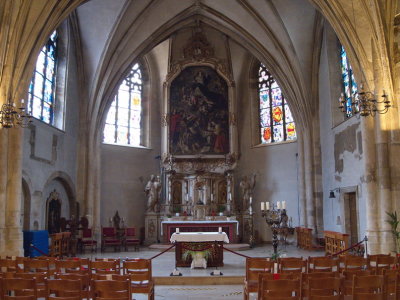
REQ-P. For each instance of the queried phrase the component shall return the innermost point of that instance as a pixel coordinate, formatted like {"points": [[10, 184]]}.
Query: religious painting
{"points": [[199, 114]]}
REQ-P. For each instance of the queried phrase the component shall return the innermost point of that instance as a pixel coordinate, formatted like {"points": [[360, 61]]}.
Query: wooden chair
{"points": [[291, 265], [105, 267], [68, 266], [130, 238], [305, 277], [255, 266], [56, 244], [280, 289], [65, 243], [329, 286], [63, 288], [348, 277], [85, 264], [390, 277], [355, 263], [37, 266], [87, 240], [109, 238], [40, 279], [384, 263], [332, 297], [8, 265], [111, 289], [322, 264], [368, 287], [23, 289], [83, 278], [140, 273]]}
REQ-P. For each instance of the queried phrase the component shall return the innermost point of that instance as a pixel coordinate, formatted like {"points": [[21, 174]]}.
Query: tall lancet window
{"points": [[276, 120], [43, 84], [123, 123], [349, 83]]}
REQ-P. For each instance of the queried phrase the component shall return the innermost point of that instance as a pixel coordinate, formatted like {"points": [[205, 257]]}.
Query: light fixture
{"points": [[11, 116], [365, 103], [332, 193]]}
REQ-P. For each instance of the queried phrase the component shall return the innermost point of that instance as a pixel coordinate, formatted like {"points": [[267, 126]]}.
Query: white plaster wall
{"points": [[334, 176], [275, 165], [40, 167]]}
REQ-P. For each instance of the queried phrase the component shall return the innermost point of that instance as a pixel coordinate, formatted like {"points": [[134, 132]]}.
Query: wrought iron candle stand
{"points": [[273, 217]]}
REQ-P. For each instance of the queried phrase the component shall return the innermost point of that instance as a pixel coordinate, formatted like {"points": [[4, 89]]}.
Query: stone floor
{"points": [[234, 265]]}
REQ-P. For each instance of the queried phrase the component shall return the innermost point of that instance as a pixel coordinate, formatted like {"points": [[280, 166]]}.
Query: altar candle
{"points": [[177, 230], [283, 204], [278, 205], [275, 268], [267, 205], [262, 205], [251, 199], [212, 197], [220, 229]]}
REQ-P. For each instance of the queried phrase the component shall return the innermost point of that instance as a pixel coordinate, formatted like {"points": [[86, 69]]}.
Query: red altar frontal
{"points": [[229, 227]]}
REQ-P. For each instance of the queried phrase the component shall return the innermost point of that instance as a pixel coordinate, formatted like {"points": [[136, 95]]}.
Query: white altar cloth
{"points": [[199, 237], [201, 222]]}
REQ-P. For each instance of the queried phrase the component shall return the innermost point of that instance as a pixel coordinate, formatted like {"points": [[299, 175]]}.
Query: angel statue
{"points": [[247, 185], [152, 190]]}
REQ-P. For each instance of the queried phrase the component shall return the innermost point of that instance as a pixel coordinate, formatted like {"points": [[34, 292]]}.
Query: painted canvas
{"points": [[199, 115]]}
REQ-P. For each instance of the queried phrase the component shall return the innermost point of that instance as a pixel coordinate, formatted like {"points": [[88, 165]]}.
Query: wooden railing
{"points": [[335, 242], [304, 237]]}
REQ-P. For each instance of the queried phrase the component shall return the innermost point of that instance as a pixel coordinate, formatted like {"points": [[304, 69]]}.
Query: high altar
{"points": [[199, 147]]}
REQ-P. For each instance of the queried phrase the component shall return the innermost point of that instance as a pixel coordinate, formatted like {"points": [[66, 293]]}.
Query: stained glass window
{"points": [[42, 86], [123, 123], [349, 83], [276, 120]]}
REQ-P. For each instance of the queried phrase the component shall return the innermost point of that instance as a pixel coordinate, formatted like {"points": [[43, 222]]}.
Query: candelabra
{"points": [[11, 116], [365, 103], [274, 218]]}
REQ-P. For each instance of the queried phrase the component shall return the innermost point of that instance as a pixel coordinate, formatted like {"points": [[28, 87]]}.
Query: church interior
{"points": [[270, 126]]}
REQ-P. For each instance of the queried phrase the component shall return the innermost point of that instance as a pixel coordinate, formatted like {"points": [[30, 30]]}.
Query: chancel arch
{"points": [[260, 30]]}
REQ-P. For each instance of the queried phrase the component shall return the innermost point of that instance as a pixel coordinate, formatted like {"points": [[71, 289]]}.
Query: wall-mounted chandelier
{"points": [[365, 103], [11, 116]]}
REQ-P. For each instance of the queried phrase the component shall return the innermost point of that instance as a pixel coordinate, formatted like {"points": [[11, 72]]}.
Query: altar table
{"points": [[231, 228], [202, 241]]}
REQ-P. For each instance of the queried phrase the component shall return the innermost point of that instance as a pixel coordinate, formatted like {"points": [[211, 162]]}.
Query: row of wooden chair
{"points": [[50, 265], [331, 287], [71, 289], [137, 271], [346, 266]]}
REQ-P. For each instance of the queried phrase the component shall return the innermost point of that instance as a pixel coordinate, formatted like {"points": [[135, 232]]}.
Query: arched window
{"points": [[348, 81], [123, 123], [276, 120], [43, 84]]}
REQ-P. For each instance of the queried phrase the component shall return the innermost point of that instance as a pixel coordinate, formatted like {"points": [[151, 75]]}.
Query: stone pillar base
{"points": [[380, 242], [152, 228], [13, 242]]}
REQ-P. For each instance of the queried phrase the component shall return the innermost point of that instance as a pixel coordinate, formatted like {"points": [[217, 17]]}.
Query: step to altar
{"points": [[234, 247], [198, 280]]}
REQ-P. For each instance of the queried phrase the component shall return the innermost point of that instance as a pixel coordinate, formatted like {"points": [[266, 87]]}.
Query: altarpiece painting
{"points": [[199, 114]]}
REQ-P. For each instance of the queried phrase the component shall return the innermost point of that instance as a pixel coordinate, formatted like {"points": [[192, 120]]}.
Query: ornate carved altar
{"points": [[199, 135]]}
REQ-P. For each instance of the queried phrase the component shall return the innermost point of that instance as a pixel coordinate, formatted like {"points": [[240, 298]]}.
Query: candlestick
{"points": [[262, 205], [177, 230], [267, 205]]}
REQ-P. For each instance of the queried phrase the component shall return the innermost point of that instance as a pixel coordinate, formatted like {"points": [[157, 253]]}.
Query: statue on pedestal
{"points": [[247, 185], [152, 190]]}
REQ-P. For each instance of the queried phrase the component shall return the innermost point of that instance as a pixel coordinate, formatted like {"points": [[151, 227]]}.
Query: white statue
{"points": [[247, 185], [152, 190]]}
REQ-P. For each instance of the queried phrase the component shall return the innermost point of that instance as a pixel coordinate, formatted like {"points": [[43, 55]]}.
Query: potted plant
{"points": [[169, 216], [221, 210], [393, 221], [177, 210]]}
